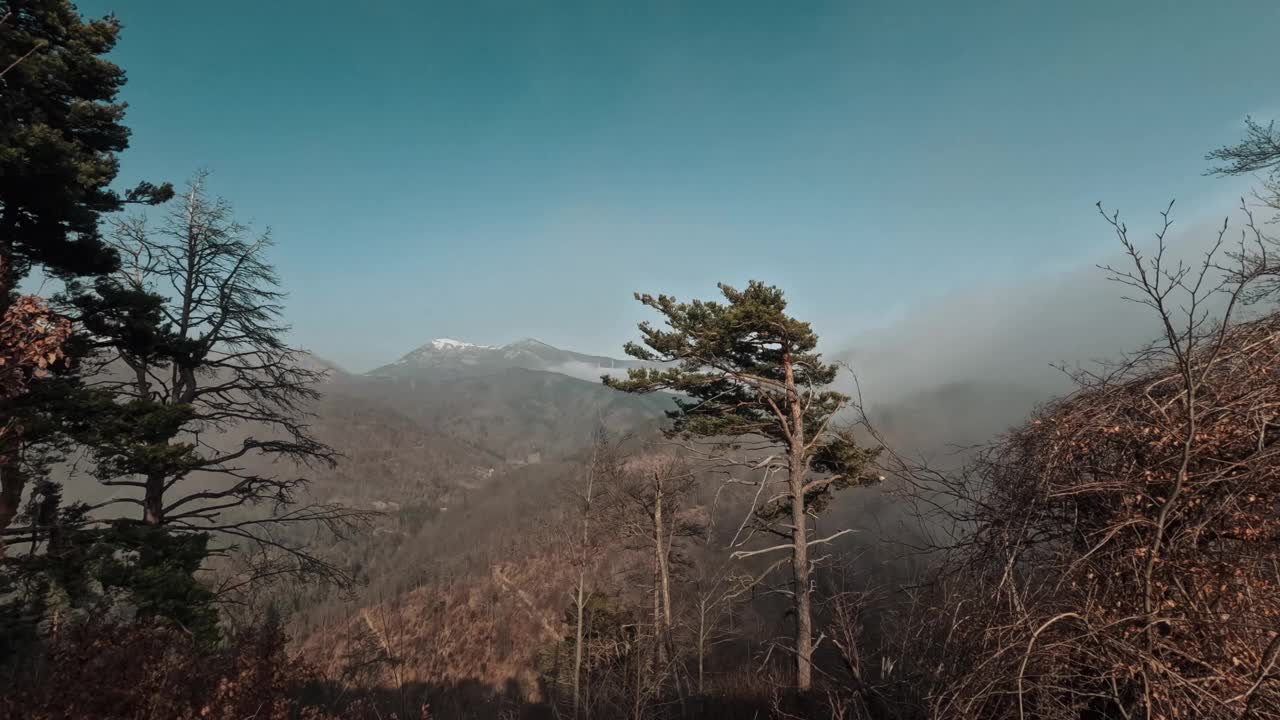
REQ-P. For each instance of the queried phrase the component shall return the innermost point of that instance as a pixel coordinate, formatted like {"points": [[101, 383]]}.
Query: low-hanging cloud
{"points": [[586, 370], [971, 363]]}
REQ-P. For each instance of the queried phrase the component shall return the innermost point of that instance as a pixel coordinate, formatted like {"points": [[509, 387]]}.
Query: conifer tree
{"points": [[748, 380], [60, 133]]}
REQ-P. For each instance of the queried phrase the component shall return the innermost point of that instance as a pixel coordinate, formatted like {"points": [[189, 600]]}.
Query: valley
{"points": [[886, 378]]}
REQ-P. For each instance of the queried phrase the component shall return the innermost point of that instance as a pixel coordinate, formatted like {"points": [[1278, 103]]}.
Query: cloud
{"points": [[945, 360], [586, 370]]}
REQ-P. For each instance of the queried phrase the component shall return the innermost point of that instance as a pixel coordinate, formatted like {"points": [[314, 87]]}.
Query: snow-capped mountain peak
{"points": [[458, 357], [450, 344], [443, 349]]}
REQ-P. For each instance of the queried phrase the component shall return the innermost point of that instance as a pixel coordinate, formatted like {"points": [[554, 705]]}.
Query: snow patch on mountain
{"points": [[450, 344], [446, 347], [447, 355]]}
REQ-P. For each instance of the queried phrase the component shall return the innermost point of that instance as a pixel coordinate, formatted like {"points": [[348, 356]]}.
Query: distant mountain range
{"points": [[527, 401], [445, 357]]}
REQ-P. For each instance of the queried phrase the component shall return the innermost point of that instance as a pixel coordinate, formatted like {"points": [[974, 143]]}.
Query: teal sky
{"points": [[492, 170]]}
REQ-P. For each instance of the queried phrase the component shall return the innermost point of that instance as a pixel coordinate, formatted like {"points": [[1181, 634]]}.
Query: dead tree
{"points": [[206, 422], [715, 589], [650, 505], [586, 538]]}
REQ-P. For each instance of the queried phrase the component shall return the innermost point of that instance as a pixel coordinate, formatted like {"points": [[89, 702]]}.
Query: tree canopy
{"points": [[61, 129], [736, 366]]}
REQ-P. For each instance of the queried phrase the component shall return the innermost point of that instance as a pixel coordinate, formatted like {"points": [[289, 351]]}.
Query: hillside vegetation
{"points": [[200, 520]]}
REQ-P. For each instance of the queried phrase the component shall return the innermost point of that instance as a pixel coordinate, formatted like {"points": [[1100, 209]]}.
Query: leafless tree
{"points": [[1258, 152], [219, 366], [651, 496], [715, 589], [586, 538]]}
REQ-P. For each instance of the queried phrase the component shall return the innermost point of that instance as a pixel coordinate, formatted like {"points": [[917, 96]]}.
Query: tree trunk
{"points": [[702, 642], [662, 591], [800, 570], [798, 467], [637, 700], [586, 662], [577, 651], [153, 501], [12, 482], [657, 609], [582, 587]]}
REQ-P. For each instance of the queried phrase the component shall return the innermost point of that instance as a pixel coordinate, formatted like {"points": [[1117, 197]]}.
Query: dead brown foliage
{"points": [[31, 337], [31, 340], [483, 629], [1070, 510]]}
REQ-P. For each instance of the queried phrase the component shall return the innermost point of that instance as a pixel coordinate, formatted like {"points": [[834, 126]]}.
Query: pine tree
{"points": [[60, 134], [748, 380]]}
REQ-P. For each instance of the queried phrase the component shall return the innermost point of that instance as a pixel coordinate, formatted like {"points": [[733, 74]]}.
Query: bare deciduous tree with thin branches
{"points": [[205, 429]]}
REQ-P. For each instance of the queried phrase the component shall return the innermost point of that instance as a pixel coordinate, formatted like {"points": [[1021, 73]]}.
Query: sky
{"points": [[494, 170]]}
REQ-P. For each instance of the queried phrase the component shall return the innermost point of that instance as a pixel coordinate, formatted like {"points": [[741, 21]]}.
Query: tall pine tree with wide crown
{"points": [[747, 379]]}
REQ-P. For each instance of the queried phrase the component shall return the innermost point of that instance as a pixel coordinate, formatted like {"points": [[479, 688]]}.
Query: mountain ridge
{"points": [[448, 356]]}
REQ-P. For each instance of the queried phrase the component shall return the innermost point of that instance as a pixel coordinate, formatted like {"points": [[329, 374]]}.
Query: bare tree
{"points": [[586, 538], [651, 496], [1258, 152], [210, 404], [580, 595], [715, 589]]}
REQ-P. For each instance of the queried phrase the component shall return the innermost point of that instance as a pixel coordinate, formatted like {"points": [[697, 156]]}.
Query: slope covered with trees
{"points": [[200, 520]]}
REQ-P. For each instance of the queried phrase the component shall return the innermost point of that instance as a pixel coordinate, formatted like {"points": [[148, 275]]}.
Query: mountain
{"points": [[446, 420], [522, 402], [516, 413], [310, 361], [444, 357], [389, 457]]}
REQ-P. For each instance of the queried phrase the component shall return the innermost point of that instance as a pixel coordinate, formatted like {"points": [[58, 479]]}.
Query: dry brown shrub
{"points": [[1119, 567]]}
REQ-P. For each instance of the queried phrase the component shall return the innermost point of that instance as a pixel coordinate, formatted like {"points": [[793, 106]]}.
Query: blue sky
{"points": [[493, 170]]}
